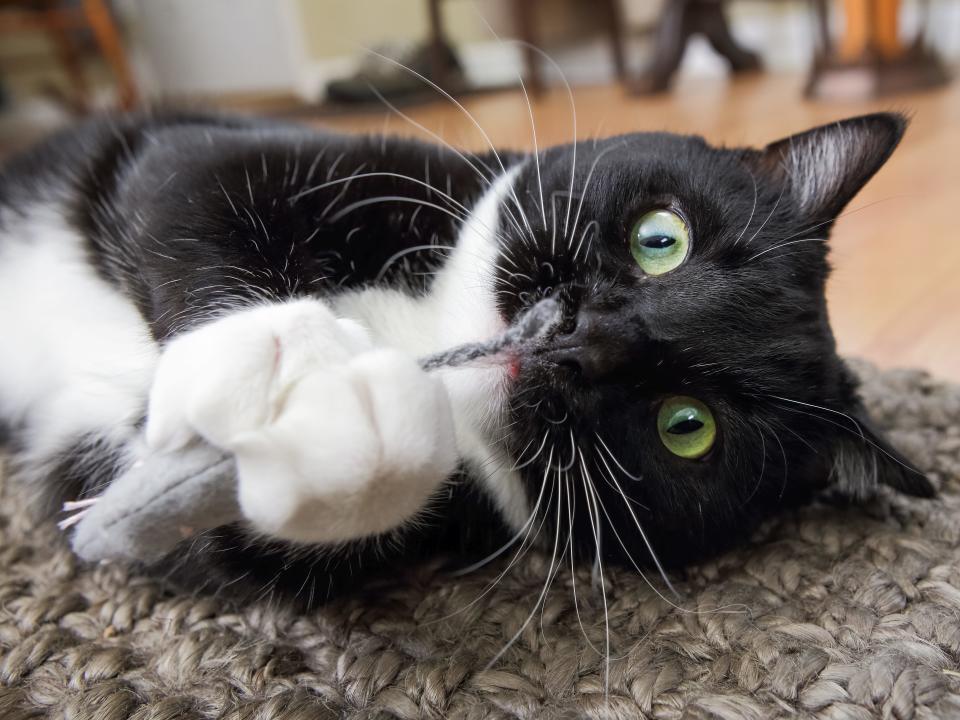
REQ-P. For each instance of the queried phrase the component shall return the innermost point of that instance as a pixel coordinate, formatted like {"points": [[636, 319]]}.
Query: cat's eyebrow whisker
{"points": [[586, 186], [770, 215], [573, 115], [781, 245], [846, 214], [824, 409], [752, 210], [858, 433], [533, 124], [592, 224]]}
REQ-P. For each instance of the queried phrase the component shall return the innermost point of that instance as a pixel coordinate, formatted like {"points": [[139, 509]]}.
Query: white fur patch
{"points": [[77, 357], [460, 308]]}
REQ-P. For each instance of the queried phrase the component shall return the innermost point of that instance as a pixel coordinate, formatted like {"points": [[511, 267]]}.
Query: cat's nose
{"points": [[594, 345]]}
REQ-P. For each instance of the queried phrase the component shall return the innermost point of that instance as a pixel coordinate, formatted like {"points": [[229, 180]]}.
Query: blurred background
{"points": [[737, 72]]}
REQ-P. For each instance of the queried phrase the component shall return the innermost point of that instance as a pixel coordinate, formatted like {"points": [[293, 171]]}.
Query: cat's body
{"points": [[269, 288]]}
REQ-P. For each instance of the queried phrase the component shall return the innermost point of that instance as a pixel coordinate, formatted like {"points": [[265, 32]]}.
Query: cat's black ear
{"points": [[825, 167], [864, 459]]}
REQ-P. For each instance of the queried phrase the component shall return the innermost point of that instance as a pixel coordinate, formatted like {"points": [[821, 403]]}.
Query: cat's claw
{"points": [[334, 440]]}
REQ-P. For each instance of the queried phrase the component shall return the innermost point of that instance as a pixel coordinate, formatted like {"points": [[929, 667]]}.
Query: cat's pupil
{"points": [[659, 242], [685, 427]]}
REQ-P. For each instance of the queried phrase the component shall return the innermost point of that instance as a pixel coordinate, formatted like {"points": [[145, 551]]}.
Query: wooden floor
{"points": [[895, 294]]}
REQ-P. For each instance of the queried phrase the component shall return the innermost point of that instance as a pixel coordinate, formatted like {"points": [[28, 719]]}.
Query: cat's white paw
{"points": [[333, 440]]}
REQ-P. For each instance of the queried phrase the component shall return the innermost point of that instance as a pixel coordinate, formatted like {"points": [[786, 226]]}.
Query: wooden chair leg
{"points": [[615, 29], [108, 39], [65, 45], [523, 16], [438, 67]]}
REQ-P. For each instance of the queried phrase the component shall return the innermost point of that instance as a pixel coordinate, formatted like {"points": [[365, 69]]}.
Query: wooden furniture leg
{"points": [[66, 47], [870, 60], [679, 20], [523, 17], [615, 31], [108, 39]]}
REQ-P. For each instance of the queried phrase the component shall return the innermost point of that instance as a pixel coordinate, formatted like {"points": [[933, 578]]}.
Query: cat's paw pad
{"points": [[354, 450]]}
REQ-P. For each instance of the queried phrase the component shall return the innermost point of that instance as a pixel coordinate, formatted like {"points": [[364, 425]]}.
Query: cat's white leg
{"points": [[333, 440]]}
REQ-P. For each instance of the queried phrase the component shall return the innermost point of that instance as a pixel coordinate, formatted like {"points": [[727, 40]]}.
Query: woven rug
{"points": [[831, 612]]}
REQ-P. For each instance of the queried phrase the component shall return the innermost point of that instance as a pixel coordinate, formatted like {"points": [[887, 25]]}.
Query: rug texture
{"points": [[831, 612]]}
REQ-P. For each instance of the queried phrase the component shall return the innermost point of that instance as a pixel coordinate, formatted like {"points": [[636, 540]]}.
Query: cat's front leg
{"points": [[334, 439]]}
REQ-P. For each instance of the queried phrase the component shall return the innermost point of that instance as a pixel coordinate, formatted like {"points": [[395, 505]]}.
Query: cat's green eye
{"points": [[686, 427], [659, 242]]}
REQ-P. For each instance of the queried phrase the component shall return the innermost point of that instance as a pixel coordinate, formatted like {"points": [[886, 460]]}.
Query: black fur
{"points": [[191, 214]]}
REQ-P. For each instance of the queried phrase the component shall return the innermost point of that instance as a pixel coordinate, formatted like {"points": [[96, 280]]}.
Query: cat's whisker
{"points": [[824, 409], [770, 215], [643, 534], [563, 552], [486, 178], [781, 245], [846, 214], [363, 175], [763, 467], [506, 546], [753, 210], [533, 124], [543, 593], [635, 478], [611, 484], [470, 117], [406, 251], [391, 198], [571, 511], [586, 186], [593, 513], [596, 227], [573, 115], [520, 466], [859, 433], [343, 191]]}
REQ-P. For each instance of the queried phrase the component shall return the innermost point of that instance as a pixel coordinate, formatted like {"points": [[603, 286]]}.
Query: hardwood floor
{"points": [[895, 293]]}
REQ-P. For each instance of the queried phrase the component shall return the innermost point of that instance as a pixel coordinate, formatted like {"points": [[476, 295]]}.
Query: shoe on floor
{"points": [[377, 75]]}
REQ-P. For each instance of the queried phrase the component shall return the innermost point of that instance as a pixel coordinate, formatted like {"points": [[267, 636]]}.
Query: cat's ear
{"points": [[823, 168], [864, 459]]}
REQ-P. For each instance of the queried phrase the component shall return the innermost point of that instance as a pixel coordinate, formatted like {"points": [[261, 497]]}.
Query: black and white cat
{"points": [[268, 288]]}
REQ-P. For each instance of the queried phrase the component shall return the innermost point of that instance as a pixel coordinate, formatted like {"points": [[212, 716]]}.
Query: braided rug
{"points": [[842, 613]]}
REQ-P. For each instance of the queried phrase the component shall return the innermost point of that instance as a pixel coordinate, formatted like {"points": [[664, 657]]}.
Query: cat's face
{"points": [[694, 384]]}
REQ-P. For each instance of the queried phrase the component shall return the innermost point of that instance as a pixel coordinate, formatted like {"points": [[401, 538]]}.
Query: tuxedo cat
{"points": [[268, 289]]}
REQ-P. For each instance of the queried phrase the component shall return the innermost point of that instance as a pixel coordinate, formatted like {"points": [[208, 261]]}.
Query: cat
{"points": [[268, 288]]}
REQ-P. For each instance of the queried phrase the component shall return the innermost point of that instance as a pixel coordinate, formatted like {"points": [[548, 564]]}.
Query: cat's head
{"points": [[694, 384]]}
